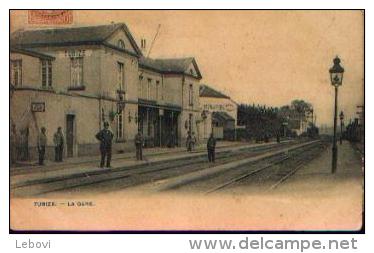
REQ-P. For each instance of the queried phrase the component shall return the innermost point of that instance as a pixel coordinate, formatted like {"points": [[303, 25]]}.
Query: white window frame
{"points": [[190, 95], [46, 67], [149, 84], [121, 44], [121, 76], [162, 90], [76, 71], [140, 87], [158, 90], [16, 72]]}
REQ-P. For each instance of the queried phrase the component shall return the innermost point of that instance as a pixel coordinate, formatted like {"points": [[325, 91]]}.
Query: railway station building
{"points": [[78, 78], [222, 111]]}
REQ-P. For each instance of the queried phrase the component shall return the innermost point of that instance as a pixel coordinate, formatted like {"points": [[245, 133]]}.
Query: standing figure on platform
{"points": [[23, 144], [58, 140], [172, 139], [139, 145], [105, 137], [211, 146], [278, 137], [42, 142], [13, 144], [193, 141], [189, 142]]}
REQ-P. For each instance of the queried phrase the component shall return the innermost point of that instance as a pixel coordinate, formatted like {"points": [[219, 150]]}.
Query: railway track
{"points": [[114, 179], [93, 162], [267, 174]]}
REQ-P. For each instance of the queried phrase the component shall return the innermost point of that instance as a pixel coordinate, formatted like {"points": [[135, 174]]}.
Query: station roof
{"points": [[207, 91], [69, 36], [31, 53], [222, 117], [174, 65], [97, 35]]}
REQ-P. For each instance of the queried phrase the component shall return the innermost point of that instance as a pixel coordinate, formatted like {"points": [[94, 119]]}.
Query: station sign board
{"points": [[38, 107]]}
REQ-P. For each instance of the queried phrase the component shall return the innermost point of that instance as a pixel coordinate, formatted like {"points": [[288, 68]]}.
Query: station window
{"points": [[120, 73], [140, 86], [46, 73], [16, 72], [149, 88], [190, 95], [76, 71], [162, 90], [121, 44], [157, 89]]}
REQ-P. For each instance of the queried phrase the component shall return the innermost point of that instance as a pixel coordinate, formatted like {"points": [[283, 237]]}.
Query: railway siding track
{"points": [[87, 161], [273, 172], [182, 180], [85, 174], [95, 178], [301, 163]]}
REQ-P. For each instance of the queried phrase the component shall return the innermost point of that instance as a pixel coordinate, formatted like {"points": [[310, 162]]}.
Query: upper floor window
{"points": [[121, 44], [162, 90], [140, 86], [190, 95], [16, 72], [149, 88], [121, 77], [46, 73], [76, 71], [157, 90]]}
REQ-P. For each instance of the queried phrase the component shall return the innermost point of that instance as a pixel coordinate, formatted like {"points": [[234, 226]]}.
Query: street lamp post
{"points": [[341, 116], [336, 76]]}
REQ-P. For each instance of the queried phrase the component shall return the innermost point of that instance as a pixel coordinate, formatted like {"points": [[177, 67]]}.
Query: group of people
{"points": [[105, 136], [58, 141], [18, 144]]}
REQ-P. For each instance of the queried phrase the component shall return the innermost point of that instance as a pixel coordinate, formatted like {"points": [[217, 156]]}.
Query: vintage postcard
{"points": [[171, 120]]}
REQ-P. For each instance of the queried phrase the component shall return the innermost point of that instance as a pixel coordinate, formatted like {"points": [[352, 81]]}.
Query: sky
{"points": [[262, 57]]}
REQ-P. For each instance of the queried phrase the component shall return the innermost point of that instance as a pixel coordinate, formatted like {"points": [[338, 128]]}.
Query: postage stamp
{"points": [[50, 17]]}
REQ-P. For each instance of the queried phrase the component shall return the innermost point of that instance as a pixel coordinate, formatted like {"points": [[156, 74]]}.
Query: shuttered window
{"points": [[76, 71], [46, 73], [16, 72]]}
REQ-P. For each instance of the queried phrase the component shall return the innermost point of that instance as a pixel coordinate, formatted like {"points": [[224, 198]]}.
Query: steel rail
{"points": [[228, 157], [251, 173]]}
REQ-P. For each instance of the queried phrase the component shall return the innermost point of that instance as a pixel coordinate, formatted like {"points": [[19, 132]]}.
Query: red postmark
{"points": [[50, 17]]}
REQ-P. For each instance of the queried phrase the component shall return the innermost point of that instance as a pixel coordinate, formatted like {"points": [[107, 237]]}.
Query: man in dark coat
{"points": [[189, 142], [139, 146], [13, 144], [42, 143], [211, 146], [58, 140], [105, 137]]}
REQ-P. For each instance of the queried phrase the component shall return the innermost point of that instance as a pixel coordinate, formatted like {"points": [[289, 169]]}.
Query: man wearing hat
{"points": [[42, 143], [105, 137]]}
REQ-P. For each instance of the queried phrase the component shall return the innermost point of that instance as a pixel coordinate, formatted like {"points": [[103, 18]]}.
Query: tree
{"points": [[302, 108]]}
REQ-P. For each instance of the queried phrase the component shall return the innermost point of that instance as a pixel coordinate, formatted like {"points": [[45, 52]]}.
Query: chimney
{"points": [[143, 45]]}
